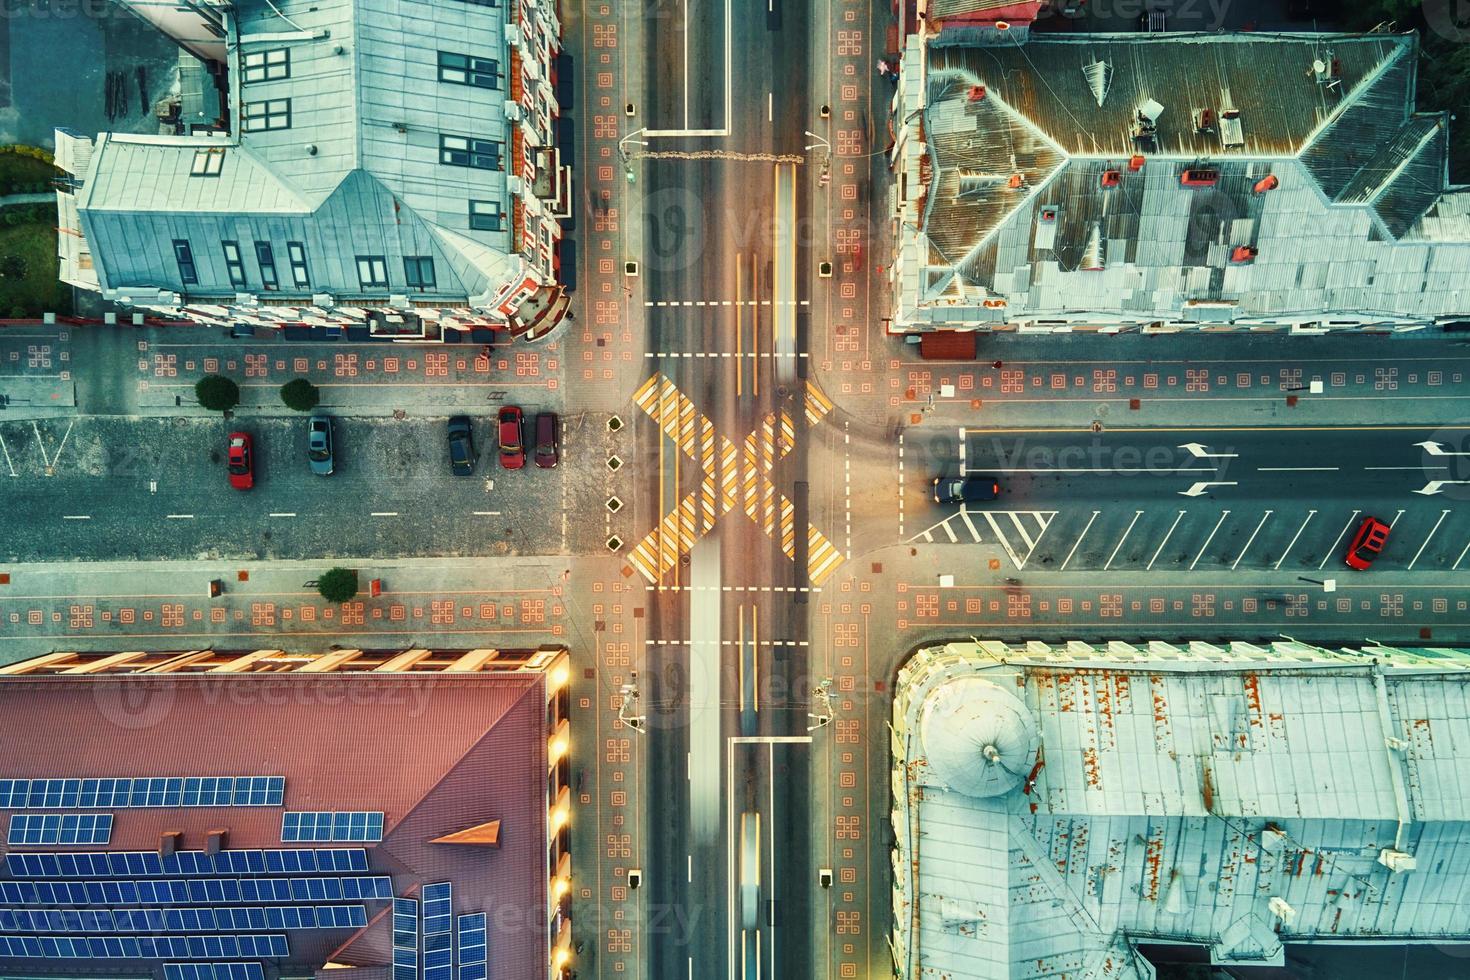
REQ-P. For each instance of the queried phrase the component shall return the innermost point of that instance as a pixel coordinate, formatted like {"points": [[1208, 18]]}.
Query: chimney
{"points": [[214, 841], [169, 841]]}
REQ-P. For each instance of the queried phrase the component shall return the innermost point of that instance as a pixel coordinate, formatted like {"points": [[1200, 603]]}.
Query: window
{"points": [[464, 69], [185, 257], [266, 259], [462, 151], [208, 163], [267, 66], [271, 114], [296, 252], [372, 270], [233, 265], [485, 216], [419, 271]]}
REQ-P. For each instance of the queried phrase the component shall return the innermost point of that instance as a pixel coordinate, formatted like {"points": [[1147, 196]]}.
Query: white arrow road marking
{"points": [[1437, 449], [1197, 450], [1442, 515], [1434, 486], [1199, 488], [1223, 515]]}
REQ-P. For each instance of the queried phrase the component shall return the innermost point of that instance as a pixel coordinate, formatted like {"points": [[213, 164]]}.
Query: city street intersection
{"points": [[740, 544]]}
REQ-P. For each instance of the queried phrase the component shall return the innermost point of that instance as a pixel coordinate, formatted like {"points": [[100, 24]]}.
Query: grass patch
{"points": [[37, 290], [21, 174]]}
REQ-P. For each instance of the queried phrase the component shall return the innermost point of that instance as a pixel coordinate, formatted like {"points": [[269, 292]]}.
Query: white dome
{"points": [[979, 738]]}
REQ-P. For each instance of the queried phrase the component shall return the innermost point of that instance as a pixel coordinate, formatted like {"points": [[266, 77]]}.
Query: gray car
{"points": [[319, 451]]}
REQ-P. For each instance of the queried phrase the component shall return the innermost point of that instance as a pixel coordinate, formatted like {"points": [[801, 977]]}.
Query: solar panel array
{"points": [[213, 971], [405, 939], [60, 828], [195, 891], [166, 791], [118, 864], [438, 931], [244, 918], [472, 960], [143, 947], [331, 825]]}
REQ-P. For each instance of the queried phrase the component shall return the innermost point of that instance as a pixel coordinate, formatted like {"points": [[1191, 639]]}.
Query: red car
{"points": [[241, 461], [1367, 543], [512, 448]]}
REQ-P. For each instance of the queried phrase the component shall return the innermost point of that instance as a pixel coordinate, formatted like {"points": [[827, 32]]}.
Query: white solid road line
{"points": [[486, 513], [1442, 515], [1296, 469], [1079, 540], [1202, 547], [1336, 541], [691, 867], [1406, 467], [385, 513], [1136, 515], [1310, 515], [1165, 541], [83, 517], [283, 513], [180, 517], [1252, 539]]}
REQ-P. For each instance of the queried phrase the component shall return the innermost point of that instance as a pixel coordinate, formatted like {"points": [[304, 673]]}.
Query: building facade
{"points": [[397, 166], [256, 814], [1166, 182], [1056, 807]]}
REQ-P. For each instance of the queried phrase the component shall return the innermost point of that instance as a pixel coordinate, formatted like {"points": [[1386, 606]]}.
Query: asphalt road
{"points": [[1199, 500], [98, 489], [725, 230]]}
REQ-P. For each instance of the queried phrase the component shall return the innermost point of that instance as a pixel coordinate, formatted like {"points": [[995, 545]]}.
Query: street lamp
{"points": [[823, 716], [623, 153], [826, 174], [628, 705]]}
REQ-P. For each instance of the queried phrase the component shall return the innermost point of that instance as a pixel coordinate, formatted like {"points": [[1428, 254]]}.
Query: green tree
{"points": [[12, 267], [217, 393], [300, 395], [337, 584]]}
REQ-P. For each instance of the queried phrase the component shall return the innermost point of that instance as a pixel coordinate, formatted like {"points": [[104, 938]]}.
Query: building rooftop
{"points": [[1045, 178], [1069, 803], [328, 788]]}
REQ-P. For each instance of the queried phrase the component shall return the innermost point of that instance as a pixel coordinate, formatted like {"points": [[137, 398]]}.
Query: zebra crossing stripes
{"points": [[817, 404], [1016, 531]]}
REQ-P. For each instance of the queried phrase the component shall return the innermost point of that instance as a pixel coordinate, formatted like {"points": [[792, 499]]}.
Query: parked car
{"points": [[547, 450], [240, 460], [512, 448], [461, 446], [319, 451], [1366, 544], [965, 490]]}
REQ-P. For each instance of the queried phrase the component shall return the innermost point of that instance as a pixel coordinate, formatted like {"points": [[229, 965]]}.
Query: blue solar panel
{"points": [[195, 891], [60, 828], [213, 971], [145, 947], [153, 791], [472, 959], [223, 918], [438, 931], [331, 825], [405, 939], [137, 864]]}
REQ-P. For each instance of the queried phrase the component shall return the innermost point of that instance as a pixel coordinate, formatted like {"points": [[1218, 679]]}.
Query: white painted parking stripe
{"points": [[1079, 540], [950, 531], [6, 450], [1021, 530], [1395, 520], [965, 516], [1442, 515], [1165, 541], [1310, 515], [1202, 548], [1252, 539], [1005, 543], [1136, 515], [1462, 556], [1336, 541]]}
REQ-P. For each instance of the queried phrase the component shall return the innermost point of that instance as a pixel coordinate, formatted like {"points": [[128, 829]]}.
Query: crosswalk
{"points": [[1018, 532], [742, 472]]}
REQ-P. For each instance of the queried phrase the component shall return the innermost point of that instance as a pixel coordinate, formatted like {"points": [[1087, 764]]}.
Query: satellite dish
{"points": [[1318, 67]]}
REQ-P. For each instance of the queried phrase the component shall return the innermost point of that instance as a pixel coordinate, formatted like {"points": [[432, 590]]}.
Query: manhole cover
{"points": [[613, 463], [615, 423], [614, 504], [614, 543]]}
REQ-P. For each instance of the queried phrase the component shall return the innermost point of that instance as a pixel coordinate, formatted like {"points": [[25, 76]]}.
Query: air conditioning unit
{"points": [[514, 184], [512, 111], [399, 300], [513, 34], [246, 299], [324, 300]]}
